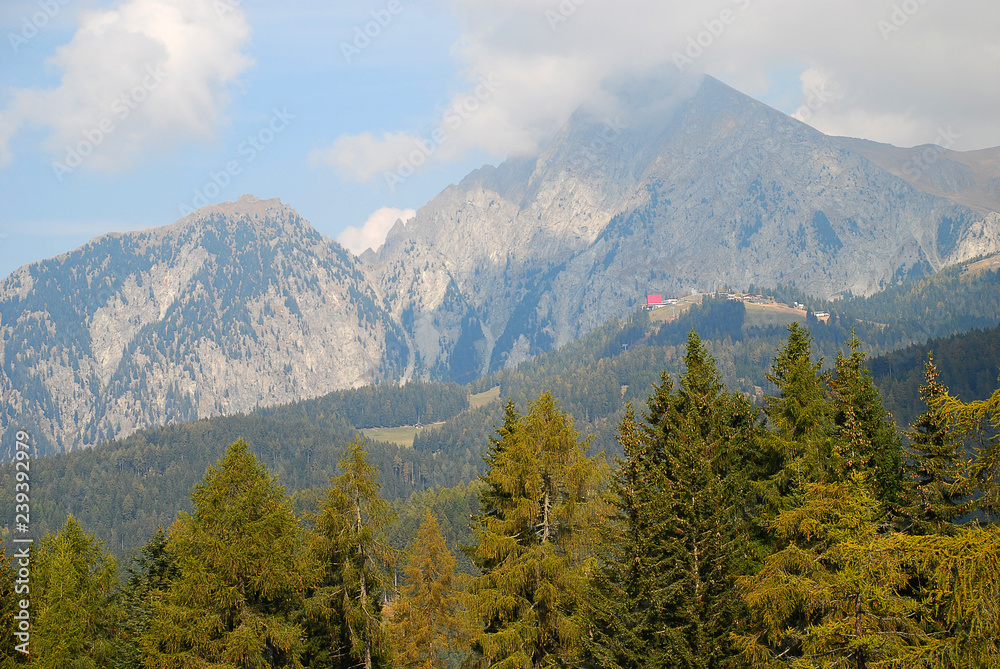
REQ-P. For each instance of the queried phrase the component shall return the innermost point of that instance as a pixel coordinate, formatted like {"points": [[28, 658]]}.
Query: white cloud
{"points": [[372, 233], [365, 155], [936, 66], [145, 74]]}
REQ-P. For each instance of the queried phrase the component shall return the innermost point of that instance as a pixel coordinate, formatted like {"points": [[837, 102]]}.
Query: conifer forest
{"points": [[805, 530]]}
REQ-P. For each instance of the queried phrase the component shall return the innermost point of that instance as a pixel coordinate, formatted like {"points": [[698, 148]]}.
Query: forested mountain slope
{"points": [[235, 306], [125, 488]]}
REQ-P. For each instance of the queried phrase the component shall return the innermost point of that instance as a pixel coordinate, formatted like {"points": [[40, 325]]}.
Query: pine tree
{"points": [[73, 608], [799, 447], [801, 411], [427, 619], [492, 496], [933, 490], [150, 577], [977, 418], [343, 609], [854, 391], [533, 541], [239, 576], [676, 541], [831, 597], [959, 578], [622, 610]]}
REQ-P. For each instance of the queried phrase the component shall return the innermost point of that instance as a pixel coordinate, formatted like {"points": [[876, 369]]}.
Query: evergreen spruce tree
{"points": [[150, 577], [799, 447], [676, 540], [622, 610], [493, 496], [238, 577], [343, 609], [533, 541], [934, 493], [427, 620], [854, 391], [832, 597], [73, 608]]}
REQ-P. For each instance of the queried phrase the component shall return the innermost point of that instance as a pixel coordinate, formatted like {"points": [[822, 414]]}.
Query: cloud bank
{"points": [[889, 71], [143, 75]]}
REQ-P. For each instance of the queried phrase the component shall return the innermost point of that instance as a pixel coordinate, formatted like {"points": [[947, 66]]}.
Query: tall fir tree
{"points": [[149, 578], [799, 447], [492, 496], [854, 392], [239, 575], [533, 542], [428, 622], [622, 610], [829, 598], [676, 541], [934, 494], [343, 609], [73, 605]]}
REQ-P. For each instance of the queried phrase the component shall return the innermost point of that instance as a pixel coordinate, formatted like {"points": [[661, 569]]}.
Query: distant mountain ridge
{"points": [[235, 306], [665, 197], [970, 178], [660, 190]]}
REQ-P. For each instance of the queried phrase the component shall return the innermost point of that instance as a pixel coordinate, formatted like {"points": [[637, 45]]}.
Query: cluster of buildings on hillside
{"points": [[658, 302], [751, 299]]}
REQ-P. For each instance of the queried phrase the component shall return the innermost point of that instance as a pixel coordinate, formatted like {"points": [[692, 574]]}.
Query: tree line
{"points": [[809, 534]]}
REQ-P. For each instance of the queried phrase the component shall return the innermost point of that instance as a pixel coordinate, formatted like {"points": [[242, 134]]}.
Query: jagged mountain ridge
{"points": [[667, 196], [244, 304], [970, 178], [235, 306]]}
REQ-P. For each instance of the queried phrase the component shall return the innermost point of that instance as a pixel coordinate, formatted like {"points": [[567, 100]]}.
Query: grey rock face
{"points": [[664, 197], [235, 306], [244, 304]]}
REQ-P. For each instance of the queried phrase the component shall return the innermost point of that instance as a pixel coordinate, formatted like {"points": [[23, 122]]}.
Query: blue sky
{"points": [[225, 97]]}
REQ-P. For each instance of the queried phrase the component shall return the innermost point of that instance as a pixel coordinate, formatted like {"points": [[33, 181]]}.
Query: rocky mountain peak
{"points": [[235, 306], [662, 187]]}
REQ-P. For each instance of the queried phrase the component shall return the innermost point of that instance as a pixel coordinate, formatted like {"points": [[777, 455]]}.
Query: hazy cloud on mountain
{"points": [[891, 72]]}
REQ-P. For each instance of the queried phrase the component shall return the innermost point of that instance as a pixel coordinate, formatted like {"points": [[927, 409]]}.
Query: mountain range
{"points": [[244, 304]]}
